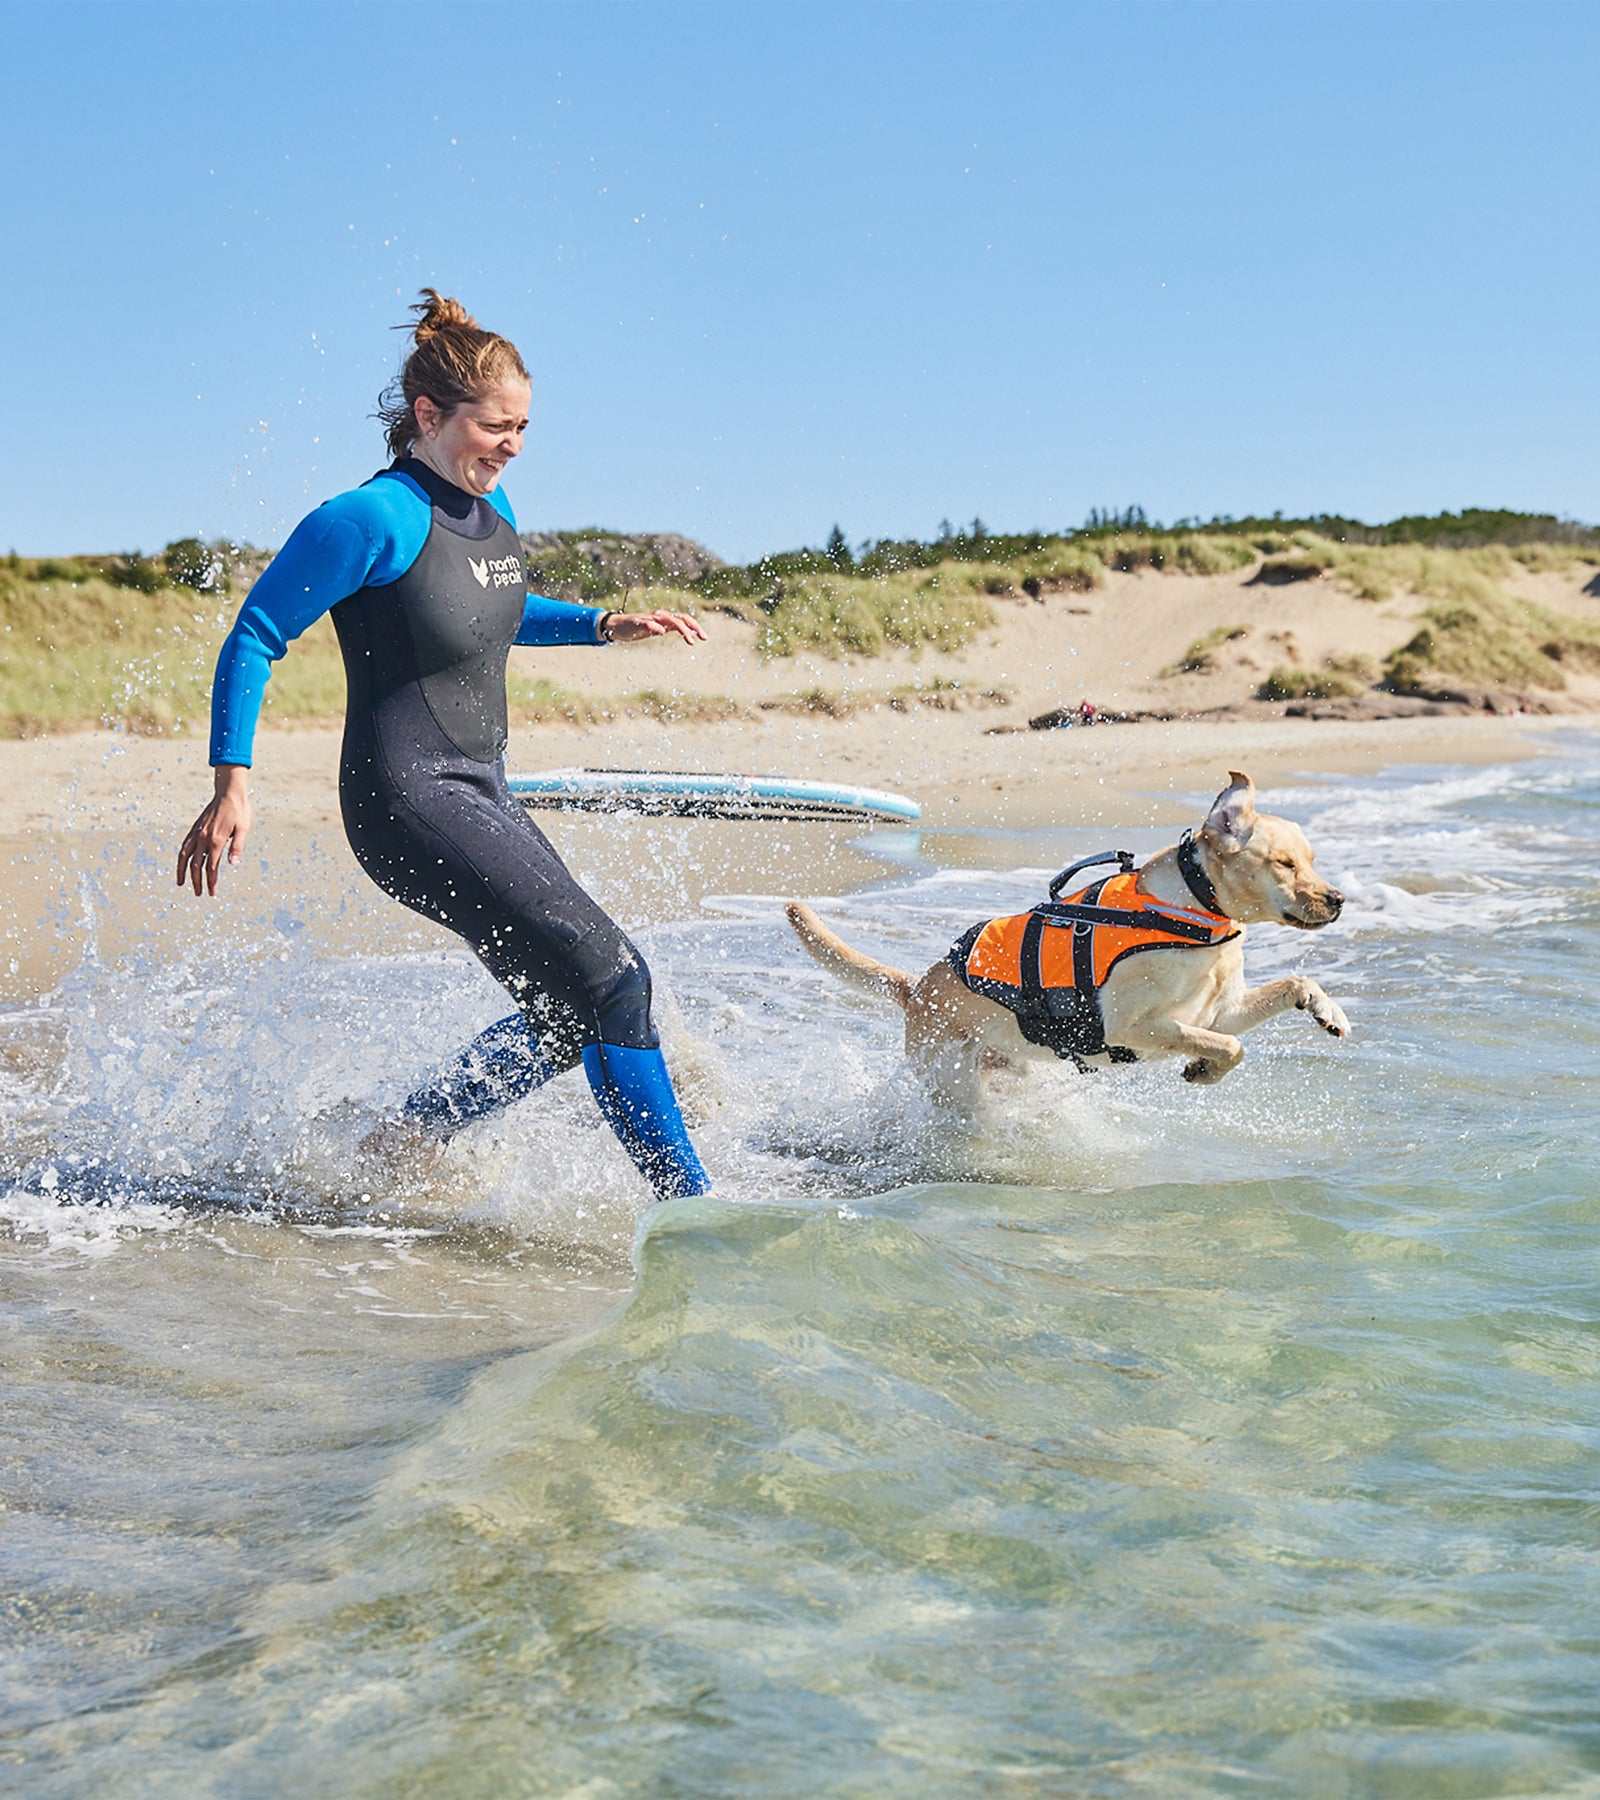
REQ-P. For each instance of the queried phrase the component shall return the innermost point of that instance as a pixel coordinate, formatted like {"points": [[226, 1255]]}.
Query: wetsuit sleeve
{"points": [[366, 537], [546, 620]]}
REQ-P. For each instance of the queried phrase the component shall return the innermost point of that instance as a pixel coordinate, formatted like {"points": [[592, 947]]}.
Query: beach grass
{"points": [[851, 615], [131, 641], [541, 702], [1200, 658], [1380, 571], [1306, 684], [84, 651], [1494, 639]]}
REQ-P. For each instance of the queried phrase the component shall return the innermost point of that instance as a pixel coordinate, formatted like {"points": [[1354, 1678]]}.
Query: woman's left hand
{"points": [[634, 628]]}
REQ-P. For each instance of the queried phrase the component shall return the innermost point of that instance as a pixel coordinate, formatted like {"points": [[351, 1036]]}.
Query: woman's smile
{"points": [[471, 445]]}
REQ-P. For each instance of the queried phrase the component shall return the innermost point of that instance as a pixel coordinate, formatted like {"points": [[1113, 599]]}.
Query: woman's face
{"points": [[473, 444]]}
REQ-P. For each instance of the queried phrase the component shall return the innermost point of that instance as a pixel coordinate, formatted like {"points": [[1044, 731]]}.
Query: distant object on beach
{"points": [[701, 796], [1084, 713]]}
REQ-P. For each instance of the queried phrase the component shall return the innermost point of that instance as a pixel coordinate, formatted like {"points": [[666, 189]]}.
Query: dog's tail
{"points": [[836, 955]]}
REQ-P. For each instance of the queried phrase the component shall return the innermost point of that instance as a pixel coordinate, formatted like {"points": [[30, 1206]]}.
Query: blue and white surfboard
{"points": [[706, 796]]}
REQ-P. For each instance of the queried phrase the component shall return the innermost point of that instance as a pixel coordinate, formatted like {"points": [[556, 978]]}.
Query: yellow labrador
{"points": [[989, 1003]]}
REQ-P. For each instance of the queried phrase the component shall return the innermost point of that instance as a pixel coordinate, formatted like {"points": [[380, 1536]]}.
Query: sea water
{"points": [[1128, 1437]]}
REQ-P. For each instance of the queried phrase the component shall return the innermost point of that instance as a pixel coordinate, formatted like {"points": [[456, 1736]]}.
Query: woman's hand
{"points": [[224, 825], [634, 628]]}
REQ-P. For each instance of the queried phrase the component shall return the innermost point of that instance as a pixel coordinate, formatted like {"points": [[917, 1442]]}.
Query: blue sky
{"points": [[774, 266]]}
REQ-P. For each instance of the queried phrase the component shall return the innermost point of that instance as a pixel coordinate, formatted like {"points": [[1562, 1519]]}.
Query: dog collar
{"points": [[1194, 877]]}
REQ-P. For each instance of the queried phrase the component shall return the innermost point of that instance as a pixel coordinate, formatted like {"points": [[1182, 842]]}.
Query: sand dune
{"points": [[90, 822]]}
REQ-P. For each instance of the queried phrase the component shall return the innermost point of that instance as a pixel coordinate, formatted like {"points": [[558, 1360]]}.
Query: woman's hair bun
{"points": [[437, 312]]}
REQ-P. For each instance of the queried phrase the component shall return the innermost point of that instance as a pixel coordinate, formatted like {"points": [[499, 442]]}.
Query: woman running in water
{"points": [[422, 570]]}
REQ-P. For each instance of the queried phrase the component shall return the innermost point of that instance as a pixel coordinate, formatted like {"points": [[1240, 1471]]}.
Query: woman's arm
{"points": [[360, 537], [547, 621], [329, 555]]}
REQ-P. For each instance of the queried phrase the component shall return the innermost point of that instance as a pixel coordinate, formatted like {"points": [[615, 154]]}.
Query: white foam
{"points": [[61, 1223], [248, 1076]]}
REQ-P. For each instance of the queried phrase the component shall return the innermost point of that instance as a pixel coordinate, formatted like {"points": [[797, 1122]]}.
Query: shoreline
{"points": [[961, 772], [90, 822]]}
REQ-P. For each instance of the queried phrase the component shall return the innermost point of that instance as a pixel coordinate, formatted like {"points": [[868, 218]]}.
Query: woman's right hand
{"points": [[224, 825]]}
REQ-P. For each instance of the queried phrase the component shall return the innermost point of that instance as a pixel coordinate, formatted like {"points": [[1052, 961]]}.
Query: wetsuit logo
{"points": [[505, 571]]}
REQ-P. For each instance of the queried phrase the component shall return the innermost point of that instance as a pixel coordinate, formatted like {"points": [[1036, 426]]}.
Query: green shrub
{"points": [[1199, 658], [1305, 684], [58, 568], [1304, 563], [189, 563], [141, 573]]}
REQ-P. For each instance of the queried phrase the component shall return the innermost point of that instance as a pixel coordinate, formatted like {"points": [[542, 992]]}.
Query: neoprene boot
{"points": [[636, 1098]]}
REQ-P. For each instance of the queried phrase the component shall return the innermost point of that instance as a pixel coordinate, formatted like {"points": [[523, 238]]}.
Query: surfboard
{"points": [[706, 796]]}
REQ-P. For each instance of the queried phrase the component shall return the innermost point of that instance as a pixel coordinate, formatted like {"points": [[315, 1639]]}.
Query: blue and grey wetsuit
{"points": [[426, 589]]}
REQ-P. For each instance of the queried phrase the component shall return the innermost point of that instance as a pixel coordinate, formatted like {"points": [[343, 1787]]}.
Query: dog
{"points": [[1005, 994]]}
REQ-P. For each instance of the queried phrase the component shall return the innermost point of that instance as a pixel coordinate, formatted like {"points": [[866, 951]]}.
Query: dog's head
{"points": [[1261, 865]]}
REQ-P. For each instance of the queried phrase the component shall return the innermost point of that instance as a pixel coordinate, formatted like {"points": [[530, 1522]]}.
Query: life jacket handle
{"points": [[1123, 858]]}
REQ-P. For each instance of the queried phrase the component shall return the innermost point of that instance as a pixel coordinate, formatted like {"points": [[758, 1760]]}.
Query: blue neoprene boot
{"points": [[502, 1064], [635, 1095]]}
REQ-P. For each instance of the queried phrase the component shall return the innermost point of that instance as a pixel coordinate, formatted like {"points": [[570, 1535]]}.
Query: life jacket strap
{"points": [[1086, 913], [1066, 1021], [1029, 970]]}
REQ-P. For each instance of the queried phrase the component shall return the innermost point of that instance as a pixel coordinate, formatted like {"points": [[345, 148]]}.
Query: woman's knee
{"points": [[595, 989], [621, 993]]}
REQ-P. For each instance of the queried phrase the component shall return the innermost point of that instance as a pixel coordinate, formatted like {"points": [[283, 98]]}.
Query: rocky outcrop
{"points": [[1430, 703], [595, 565]]}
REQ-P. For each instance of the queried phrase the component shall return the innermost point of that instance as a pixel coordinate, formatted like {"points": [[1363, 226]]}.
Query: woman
{"points": [[422, 570]]}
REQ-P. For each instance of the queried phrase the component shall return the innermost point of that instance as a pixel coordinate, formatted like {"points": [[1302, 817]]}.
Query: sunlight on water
{"points": [[1126, 1437]]}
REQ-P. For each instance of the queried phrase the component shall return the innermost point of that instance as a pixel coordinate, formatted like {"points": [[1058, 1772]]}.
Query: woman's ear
{"points": [[428, 415]]}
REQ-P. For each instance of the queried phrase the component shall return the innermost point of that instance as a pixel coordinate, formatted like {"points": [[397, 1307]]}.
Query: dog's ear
{"points": [[1233, 815]]}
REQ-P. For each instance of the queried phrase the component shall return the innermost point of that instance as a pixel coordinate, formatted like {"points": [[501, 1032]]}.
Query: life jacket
{"points": [[1047, 966]]}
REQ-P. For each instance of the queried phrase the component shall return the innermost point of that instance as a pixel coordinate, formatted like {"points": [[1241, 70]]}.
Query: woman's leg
{"points": [[636, 1099], [480, 866], [503, 1064], [602, 995]]}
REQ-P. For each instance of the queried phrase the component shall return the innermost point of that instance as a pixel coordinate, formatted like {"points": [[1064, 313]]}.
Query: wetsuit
{"points": [[426, 588]]}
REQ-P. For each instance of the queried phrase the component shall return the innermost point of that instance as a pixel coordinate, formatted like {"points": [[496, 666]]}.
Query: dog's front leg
{"points": [[1212, 1054], [1295, 993]]}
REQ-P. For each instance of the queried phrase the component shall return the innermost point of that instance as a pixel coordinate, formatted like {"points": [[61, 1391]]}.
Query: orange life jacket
{"points": [[1048, 966]]}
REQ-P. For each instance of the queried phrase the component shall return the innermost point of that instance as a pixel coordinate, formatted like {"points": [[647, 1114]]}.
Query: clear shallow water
{"points": [[1137, 1438]]}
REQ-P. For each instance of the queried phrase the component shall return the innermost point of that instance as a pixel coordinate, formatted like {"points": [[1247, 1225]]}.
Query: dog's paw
{"points": [[1202, 1073], [1329, 1014]]}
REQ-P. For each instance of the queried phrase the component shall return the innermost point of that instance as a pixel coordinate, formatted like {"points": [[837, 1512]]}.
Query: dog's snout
{"points": [[1335, 903]]}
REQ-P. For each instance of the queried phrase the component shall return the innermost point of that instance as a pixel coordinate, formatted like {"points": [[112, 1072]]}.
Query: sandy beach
{"points": [[89, 822]]}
